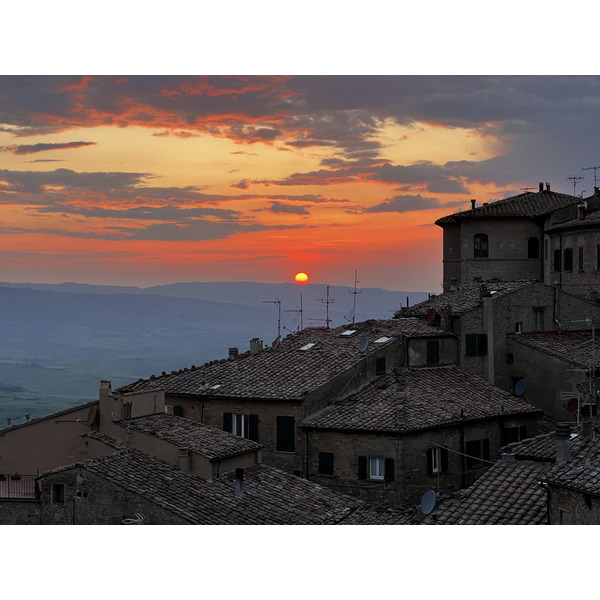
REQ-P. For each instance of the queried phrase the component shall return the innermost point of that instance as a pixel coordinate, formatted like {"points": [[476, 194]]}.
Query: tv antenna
{"points": [[327, 302], [278, 302], [299, 311], [355, 292], [589, 169], [575, 179]]}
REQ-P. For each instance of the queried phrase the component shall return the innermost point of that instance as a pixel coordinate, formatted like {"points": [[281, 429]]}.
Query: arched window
{"points": [[480, 243]]}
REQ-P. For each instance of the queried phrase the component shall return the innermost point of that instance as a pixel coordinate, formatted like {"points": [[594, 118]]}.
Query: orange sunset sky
{"points": [[145, 180]]}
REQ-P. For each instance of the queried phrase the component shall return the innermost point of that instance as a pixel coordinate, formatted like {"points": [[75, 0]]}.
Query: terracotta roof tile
{"points": [[419, 398], [467, 297], [508, 493], [580, 470], [574, 347], [209, 441], [529, 204], [289, 371], [270, 495]]}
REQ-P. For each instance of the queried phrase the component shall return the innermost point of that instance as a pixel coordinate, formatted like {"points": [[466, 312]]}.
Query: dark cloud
{"points": [[401, 204], [33, 148], [242, 185], [279, 208]]}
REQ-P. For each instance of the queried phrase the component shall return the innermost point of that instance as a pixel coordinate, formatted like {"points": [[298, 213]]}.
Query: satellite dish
{"points": [[428, 501], [572, 404], [431, 313], [92, 416], [363, 344], [520, 387]]}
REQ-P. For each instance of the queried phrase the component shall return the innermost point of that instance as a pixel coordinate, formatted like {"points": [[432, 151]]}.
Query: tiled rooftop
{"points": [[581, 470], [419, 398], [529, 204], [290, 370], [506, 494], [574, 347], [467, 297], [541, 447], [211, 442], [270, 496]]}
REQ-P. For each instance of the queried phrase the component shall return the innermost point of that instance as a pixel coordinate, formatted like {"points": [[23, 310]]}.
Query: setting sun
{"points": [[301, 278]]}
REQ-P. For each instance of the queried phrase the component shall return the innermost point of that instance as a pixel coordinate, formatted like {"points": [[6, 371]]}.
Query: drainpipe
{"points": [[556, 321], [488, 327]]}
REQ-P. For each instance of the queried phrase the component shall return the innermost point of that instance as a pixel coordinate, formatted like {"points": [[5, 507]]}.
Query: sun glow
{"points": [[301, 278]]}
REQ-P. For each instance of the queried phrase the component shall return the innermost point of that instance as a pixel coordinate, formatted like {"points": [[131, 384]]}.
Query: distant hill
{"points": [[58, 341]]}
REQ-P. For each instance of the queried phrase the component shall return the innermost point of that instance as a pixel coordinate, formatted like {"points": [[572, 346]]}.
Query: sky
{"points": [[145, 180], [159, 146]]}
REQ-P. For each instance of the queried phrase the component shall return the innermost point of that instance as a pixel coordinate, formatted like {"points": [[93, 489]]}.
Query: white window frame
{"points": [[376, 468], [239, 425], [436, 460]]}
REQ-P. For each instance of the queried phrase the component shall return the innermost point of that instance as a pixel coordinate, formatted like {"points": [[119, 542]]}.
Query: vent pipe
{"points": [[562, 437], [239, 483]]}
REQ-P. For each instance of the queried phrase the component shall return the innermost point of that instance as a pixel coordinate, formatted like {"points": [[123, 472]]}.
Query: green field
{"points": [[39, 389]]}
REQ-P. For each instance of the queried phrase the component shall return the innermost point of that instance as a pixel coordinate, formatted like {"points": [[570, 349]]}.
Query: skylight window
{"points": [[348, 332], [382, 340], [215, 387], [308, 346]]}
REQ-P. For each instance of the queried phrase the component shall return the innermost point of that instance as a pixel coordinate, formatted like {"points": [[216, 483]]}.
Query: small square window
{"points": [[58, 493], [376, 467], [325, 463]]}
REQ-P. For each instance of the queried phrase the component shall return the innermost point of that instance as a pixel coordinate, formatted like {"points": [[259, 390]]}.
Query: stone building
{"points": [[483, 314], [573, 484], [503, 239], [411, 431], [265, 394], [557, 371]]}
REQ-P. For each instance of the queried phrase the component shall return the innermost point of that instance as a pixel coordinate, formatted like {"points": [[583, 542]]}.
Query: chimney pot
{"points": [[547, 186], [473, 201], [541, 186]]}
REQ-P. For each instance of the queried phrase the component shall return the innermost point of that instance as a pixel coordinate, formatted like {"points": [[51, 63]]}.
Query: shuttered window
{"points": [[325, 463], [285, 434], [476, 344], [376, 468], [245, 426]]}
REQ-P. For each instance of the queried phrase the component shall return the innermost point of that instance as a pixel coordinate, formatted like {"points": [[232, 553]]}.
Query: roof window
{"points": [[382, 340], [349, 332], [308, 346]]}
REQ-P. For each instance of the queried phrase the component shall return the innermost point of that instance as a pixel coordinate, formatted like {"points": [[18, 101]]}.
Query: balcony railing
{"points": [[15, 487]]}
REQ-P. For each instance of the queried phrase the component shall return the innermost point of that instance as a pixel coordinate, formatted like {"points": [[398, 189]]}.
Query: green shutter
{"points": [[227, 422], [388, 472], [253, 427], [362, 467]]}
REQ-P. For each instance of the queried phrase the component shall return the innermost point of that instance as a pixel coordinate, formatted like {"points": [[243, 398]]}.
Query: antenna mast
{"points": [[297, 311], [327, 302], [355, 292], [575, 179], [278, 302], [588, 169]]}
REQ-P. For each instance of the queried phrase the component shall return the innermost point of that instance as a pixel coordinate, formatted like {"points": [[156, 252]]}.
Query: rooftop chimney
{"points": [[233, 352], [473, 203], [256, 345], [562, 437], [547, 186], [239, 483], [541, 186]]}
